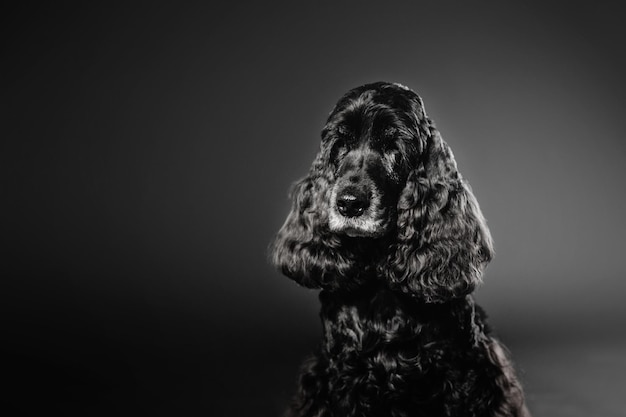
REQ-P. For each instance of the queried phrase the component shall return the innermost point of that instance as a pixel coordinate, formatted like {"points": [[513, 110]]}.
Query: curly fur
{"points": [[388, 229]]}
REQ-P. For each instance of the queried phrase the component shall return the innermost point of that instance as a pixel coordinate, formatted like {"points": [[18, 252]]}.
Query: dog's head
{"points": [[384, 201]]}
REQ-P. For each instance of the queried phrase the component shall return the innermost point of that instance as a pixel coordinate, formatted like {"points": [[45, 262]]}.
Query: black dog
{"points": [[386, 226]]}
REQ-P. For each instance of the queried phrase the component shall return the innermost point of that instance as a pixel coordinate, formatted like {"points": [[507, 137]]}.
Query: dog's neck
{"points": [[375, 317]]}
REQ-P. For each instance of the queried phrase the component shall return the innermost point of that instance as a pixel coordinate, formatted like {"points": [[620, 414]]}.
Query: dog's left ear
{"points": [[443, 243]]}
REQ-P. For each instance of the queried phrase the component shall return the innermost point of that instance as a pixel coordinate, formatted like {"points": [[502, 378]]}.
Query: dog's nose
{"points": [[352, 203]]}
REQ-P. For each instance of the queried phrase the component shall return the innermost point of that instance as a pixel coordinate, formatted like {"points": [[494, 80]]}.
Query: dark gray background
{"points": [[146, 155]]}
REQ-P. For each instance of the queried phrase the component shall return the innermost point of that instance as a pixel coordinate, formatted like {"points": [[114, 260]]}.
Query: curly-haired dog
{"points": [[386, 226]]}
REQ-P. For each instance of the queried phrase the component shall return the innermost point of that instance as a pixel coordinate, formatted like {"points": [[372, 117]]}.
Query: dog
{"points": [[385, 225]]}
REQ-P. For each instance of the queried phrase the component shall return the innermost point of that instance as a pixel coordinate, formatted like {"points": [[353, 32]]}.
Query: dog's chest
{"points": [[364, 327]]}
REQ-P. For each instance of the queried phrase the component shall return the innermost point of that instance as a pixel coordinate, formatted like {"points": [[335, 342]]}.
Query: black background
{"points": [[146, 154]]}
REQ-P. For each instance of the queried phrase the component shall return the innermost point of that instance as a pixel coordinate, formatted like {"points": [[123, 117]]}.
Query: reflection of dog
{"points": [[386, 226]]}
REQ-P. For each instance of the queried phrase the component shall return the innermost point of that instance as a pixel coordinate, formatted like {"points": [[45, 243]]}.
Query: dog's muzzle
{"points": [[353, 201], [356, 210]]}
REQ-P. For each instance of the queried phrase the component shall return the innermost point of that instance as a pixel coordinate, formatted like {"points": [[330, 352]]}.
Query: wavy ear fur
{"points": [[443, 243], [303, 248]]}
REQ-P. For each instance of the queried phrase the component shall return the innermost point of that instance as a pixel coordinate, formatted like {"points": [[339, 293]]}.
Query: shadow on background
{"points": [[146, 156]]}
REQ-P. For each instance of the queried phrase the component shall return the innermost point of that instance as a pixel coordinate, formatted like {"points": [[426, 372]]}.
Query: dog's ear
{"points": [[442, 243], [303, 248]]}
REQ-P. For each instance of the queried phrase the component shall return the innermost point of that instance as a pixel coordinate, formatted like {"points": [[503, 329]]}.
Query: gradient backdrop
{"points": [[146, 155]]}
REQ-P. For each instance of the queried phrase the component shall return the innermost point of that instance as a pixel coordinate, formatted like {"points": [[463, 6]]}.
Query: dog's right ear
{"points": [[295, 248], [304, 249]]}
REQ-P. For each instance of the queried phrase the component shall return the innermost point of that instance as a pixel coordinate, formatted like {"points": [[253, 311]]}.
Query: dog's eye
{"points": [[390, 132], [386, 139], [343, 132], [345, 136]]}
